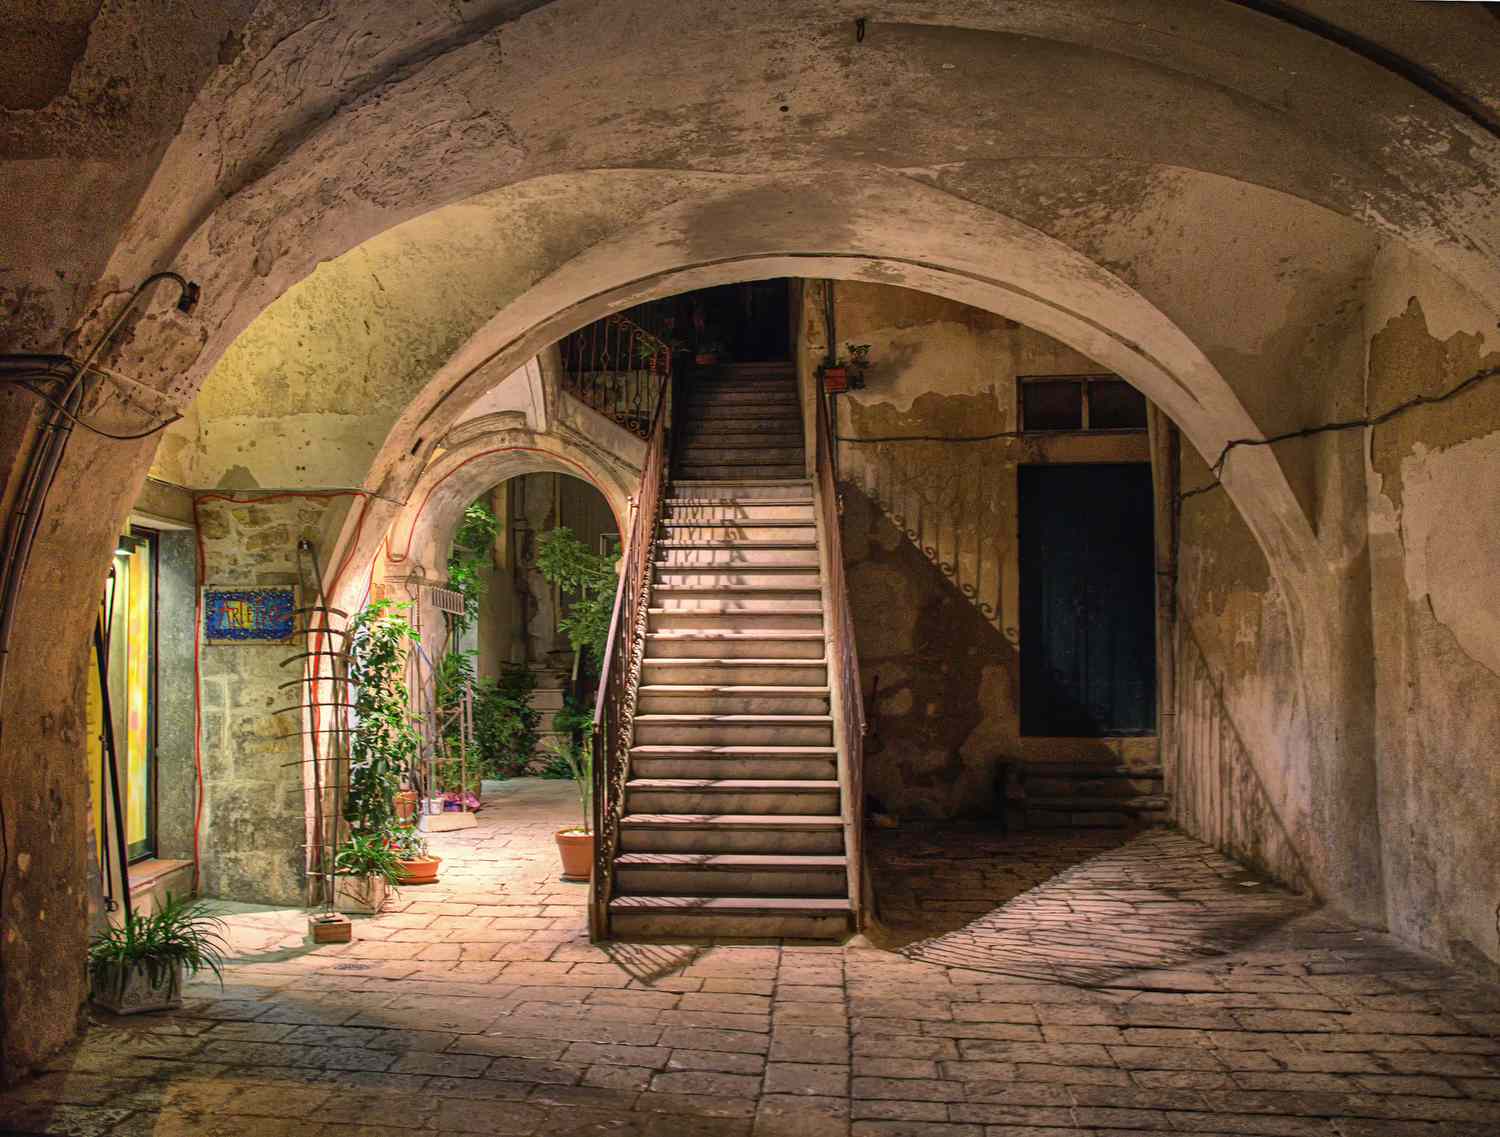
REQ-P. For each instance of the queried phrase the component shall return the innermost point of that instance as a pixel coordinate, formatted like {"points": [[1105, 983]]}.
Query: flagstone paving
{"points": [[1153, 988]]}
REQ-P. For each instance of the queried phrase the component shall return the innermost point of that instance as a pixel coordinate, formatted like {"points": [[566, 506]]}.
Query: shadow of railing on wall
{"points": [[954, 514], [1216, 792]]}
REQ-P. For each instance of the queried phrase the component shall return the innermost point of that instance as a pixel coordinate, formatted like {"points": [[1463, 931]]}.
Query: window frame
{"points": [[1085, 380]]}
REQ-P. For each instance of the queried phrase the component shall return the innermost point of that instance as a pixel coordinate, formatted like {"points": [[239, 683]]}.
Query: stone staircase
{"points": [[1100, 794], [733, 819]]}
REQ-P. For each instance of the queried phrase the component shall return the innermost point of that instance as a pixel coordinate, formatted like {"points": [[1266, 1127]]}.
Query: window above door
{"points": [[1074, 403]]}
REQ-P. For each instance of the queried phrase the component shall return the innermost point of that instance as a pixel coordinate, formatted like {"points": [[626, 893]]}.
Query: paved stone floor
{"points": [[1153, 988], [935, 877]]}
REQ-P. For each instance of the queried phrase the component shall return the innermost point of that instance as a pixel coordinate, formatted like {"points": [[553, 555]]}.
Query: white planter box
{"points": [[126, 989], [359, 895]]}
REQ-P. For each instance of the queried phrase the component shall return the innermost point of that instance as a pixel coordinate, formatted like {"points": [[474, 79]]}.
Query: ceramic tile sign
{"points": [[249, 615]]}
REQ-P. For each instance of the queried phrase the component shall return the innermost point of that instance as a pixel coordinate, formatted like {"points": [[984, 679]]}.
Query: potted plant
{"points": [[139, 965], [365, 868], [859, 362], [414, 865], [575, 845], [840, 374], [709, 353]]}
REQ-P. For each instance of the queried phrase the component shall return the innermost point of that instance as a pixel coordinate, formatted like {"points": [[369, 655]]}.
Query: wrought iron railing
{"points": [[620, 672], [618, 366], [843, 664]]}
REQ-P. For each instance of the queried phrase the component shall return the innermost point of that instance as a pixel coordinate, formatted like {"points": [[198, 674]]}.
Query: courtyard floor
{"points": [[1150, 987]]}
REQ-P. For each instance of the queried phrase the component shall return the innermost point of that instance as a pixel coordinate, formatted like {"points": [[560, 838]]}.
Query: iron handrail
{"points": [[620, 671], [619, 368], [844, 663]]}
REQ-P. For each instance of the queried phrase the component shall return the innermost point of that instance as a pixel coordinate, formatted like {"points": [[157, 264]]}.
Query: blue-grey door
{"points": [[1088, 601]]}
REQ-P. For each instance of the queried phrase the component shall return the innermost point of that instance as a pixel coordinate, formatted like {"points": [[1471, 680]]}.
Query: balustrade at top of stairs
{"points": [[732, 813], [619, 367]]}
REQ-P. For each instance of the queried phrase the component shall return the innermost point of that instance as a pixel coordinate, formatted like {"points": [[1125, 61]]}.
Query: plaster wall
{"points": [[931, 539], [1240, 723], [1435, 595]]}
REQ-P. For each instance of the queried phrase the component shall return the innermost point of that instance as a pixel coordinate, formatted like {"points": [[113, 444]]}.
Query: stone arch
{"points": [[895, 231], [421, 535]]}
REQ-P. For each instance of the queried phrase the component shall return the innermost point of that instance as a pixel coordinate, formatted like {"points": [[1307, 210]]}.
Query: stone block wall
{"points": [[253, 826]]}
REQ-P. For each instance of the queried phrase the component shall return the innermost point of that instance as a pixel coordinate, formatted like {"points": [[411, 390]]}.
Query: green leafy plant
{"points": [[179, 933], [590, 577], [366, 855], [452, 678], [579, 761], [505, 723], [406, 843], [576, 717], [471, 559], [384, 743]]}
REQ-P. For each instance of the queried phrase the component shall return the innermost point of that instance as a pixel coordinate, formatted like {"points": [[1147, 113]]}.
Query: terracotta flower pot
{"points": [[420, 870], [577, 851], [406, 805]]}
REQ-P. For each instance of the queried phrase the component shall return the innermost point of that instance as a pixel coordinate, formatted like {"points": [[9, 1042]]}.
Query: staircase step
{"points": [[740, 421], [710, 433], [750, 576], [730, 796], [733, 730], [736, 598], [743, 554], [798, 763], [703, 698], [707, 400], [735, 488], [731, 874], [792, 917], [786, 470], [716, 453], [740, 513], [733, 833], [739, 672], [733, 645], [787, 618]]}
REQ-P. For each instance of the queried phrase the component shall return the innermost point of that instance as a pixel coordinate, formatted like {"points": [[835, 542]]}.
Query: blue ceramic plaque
{"points": [[249, 615]]}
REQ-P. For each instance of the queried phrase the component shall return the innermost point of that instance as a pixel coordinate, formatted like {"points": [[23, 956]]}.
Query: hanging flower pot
{"points": [[835, 380]]}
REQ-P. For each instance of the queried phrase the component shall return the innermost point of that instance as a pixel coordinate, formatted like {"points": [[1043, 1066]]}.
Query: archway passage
{"points": [[1260, 268]]}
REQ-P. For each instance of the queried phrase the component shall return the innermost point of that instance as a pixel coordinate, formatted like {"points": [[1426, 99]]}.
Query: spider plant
{"points": [[179, 934], [369, 855]]}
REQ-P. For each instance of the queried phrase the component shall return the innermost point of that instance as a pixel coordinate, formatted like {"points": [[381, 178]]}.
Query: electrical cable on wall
{"points": [[39, 471], [1217, 468]]}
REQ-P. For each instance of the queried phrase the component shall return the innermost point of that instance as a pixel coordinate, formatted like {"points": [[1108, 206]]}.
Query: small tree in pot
{"points": [[576, 845], [139, 966]]}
